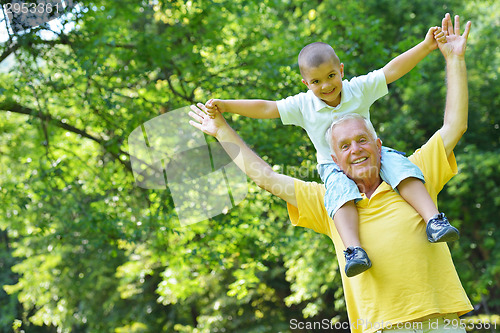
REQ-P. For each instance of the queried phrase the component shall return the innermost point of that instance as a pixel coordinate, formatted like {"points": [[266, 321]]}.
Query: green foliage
{"points": [[85, 250]]}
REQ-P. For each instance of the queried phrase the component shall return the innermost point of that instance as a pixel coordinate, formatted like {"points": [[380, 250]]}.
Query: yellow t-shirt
{"points": [[410, 278]]}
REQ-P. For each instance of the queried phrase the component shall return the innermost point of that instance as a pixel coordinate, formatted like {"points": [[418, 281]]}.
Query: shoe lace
{"points": [[440, 223], [349, 253], [440, 220]]}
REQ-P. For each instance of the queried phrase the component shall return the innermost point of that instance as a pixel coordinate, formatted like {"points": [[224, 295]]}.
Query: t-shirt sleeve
{"points": [[437, 168], [311, 212], [372, 86], [290, 110]]}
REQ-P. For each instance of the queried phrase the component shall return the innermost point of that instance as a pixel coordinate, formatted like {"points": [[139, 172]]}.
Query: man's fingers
{"points": [[444, 24], [467, 29], [195, 124], [195, 116], [457, 25], [202, 107], [196, 109], [449, 24]]}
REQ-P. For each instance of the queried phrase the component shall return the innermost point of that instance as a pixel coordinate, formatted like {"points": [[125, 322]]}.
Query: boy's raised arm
{"points": [[406, 61], [252, 108], [246, 159]]}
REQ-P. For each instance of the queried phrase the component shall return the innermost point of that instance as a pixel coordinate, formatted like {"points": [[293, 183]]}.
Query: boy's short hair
{"points": [[349, 116], [315, 54]]}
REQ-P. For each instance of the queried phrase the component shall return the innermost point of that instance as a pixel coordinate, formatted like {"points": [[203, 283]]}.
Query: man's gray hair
{"points": [[346, 117]]}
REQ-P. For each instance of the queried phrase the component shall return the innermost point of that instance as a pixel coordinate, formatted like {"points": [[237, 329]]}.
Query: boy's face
{"points": [[325, 81]]}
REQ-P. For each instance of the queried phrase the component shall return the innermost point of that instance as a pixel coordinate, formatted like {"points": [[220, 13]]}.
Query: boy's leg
{"points": [[340, 196], [346, 221], [400, 173], [415, 193]]}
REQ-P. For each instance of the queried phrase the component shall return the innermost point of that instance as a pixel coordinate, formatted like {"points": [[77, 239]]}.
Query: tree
{"points": [[84, 249]]}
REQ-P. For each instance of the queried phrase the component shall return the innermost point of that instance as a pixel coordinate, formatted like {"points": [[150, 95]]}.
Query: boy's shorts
{"points": [[340, 189]]}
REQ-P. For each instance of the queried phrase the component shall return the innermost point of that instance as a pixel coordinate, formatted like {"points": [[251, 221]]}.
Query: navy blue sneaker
{"points": [[439, 230], [356, 261]]}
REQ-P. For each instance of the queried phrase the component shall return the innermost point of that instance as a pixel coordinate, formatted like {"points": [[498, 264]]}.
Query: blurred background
{"points": [[83, 249]]}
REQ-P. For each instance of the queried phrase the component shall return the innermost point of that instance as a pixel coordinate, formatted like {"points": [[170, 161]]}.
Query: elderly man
{"points": [[413, 283]]}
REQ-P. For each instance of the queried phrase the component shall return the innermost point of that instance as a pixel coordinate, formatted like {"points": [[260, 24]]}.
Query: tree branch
{"points": [[175, 92], [12, 106], [11, 49]]}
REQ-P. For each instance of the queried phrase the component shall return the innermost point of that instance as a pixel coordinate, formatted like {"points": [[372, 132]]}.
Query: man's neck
{"points": [[368, 186]]}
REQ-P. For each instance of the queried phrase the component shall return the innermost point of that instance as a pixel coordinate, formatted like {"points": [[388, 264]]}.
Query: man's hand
{"points": [[207, 124], [213, 106], [455, 43]]}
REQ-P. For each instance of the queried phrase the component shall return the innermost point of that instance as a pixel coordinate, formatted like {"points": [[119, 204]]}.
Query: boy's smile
{"points": [[325, 81]]}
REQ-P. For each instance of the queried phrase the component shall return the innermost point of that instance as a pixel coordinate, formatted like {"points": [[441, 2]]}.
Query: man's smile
{"points": [[359, 160]]}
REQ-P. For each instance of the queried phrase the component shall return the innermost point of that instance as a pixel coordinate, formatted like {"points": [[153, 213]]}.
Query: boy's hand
{"points": [[439, 35], [433, 36], [213, 106]]}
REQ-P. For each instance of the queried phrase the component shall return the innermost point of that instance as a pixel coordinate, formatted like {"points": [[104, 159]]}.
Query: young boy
{"points": [[328, 98]]}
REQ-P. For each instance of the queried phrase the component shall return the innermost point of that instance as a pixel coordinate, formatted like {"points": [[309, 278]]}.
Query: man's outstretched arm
{"points": [[457, 99], [246, 159]]}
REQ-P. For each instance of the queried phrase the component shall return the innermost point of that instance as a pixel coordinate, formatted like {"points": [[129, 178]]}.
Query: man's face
{"points": [[325, 81], [357, 153]]}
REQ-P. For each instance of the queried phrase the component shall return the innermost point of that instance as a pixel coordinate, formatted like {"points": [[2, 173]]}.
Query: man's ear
{"points": [[335, 159], [305, 82], [342, 70], [379, 146]]}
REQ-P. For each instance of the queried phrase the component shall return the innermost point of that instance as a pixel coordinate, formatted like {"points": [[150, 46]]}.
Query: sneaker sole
{"points": [[355, 270], [450, 236]]}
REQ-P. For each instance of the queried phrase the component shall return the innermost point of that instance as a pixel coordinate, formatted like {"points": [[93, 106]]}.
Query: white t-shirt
{"points": [[315, 116]]}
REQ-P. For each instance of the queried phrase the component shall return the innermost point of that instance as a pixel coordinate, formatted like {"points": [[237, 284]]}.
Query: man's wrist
{"points": [[454, 60], [223, 132]]}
